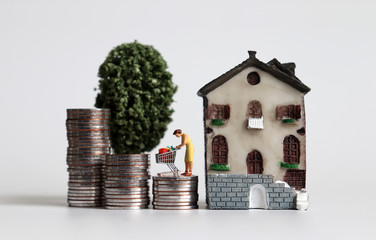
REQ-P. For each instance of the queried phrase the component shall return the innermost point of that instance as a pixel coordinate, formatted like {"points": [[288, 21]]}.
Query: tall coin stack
{"points": [[175, 193], [126, 181], [88, 145]]}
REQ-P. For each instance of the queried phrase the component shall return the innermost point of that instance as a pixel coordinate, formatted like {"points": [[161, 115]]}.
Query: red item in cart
{"points": [[163, 150]]}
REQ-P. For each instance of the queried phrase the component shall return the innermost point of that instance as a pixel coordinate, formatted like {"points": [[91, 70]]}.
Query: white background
{"points": [[50, 52]]}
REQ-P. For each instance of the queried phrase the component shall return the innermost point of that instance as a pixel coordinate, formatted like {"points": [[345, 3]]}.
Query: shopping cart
{"points": [[168, 158]]}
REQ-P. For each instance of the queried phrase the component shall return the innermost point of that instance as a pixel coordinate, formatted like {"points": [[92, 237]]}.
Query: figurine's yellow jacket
{"points": [[189, 148]]}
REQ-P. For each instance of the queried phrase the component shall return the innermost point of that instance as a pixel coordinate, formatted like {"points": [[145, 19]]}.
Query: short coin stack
{"points": [[175, 193], [89, 144], [126, 181]]}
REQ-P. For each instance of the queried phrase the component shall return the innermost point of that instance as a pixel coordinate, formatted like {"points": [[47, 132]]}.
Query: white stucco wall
{"points": [[270, 92]]}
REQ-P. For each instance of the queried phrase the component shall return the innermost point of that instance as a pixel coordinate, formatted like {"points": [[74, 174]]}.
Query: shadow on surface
{"points": [[30, 200]]}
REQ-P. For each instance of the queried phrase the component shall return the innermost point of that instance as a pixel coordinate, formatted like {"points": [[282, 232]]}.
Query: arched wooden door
{"points": [[291, 149], [255, 162], [219, 150]]}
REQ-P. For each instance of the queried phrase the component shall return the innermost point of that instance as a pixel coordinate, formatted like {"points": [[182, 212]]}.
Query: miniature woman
{"points": [[186, 141]]}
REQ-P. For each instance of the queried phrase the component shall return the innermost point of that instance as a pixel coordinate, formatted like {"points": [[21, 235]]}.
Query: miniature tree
{"points": [[138, 89]]}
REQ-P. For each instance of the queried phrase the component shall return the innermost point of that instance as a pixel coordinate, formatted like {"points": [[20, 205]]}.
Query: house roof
{"points": [[285, 72]]}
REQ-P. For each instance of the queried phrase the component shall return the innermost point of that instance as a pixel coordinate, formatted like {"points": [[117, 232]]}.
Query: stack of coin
{"points": [[126, 181], [88, 145], [175, 193]]}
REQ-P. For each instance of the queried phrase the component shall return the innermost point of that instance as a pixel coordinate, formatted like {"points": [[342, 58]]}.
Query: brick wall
{"points": [[231, 191]]}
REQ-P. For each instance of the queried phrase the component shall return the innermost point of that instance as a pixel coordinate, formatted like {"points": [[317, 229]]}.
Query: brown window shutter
{"points": [[297, 112], [207, 112], [280, 112], [227, 111], [291, 111], [211, 112]]}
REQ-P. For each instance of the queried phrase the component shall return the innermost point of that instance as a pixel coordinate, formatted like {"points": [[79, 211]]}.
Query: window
{"points": [[216, 111], [301, 131], [254, 109], [254, 113], [288, 112], [218, 114], [253, 78], [219, 150], [295, 178], [254, 163], [291, 150]]}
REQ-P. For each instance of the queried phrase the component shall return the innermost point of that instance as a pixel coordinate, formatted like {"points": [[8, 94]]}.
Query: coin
{"points": [[83, 201], [123, 191], [127, 164], [174, 189], [171, 182], [88, 113], [129, 157], [127, 204], [181, 198], [80, 194], [180, 178], [112, 169], [89, 121], [87, 145], [83, 184], [175, 204], [172, 193], [127, 200], [83, 164], [87, 128], [84, 181], [85, 205], [125, 208], [85, 110], [93, 179], [85, 187], [89, 150], [188, 207], [121, 196], [125, 169], [86, 135], [122, 185], [83, 198], [129, 179], [85, 169]]}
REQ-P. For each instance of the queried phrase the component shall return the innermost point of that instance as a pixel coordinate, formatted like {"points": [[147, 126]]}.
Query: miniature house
{"points": [[255, 143]]}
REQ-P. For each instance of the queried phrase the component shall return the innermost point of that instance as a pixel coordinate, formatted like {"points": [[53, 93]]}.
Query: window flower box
{"points": [[289, 121], [218, 122], [289, 165], [220, 167]]}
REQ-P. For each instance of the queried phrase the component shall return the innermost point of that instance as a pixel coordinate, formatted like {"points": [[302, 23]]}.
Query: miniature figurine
{"points": [[186, 141]]}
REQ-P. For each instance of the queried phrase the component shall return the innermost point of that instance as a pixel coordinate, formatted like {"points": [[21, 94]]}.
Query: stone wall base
{"points": [[231, 191]]}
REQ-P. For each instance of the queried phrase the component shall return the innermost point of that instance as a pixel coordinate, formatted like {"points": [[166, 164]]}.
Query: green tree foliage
{"points": [[138, 89]]}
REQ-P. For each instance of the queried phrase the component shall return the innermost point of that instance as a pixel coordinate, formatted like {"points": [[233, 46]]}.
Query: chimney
{"points": [[290, 66], [252, 54]]}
